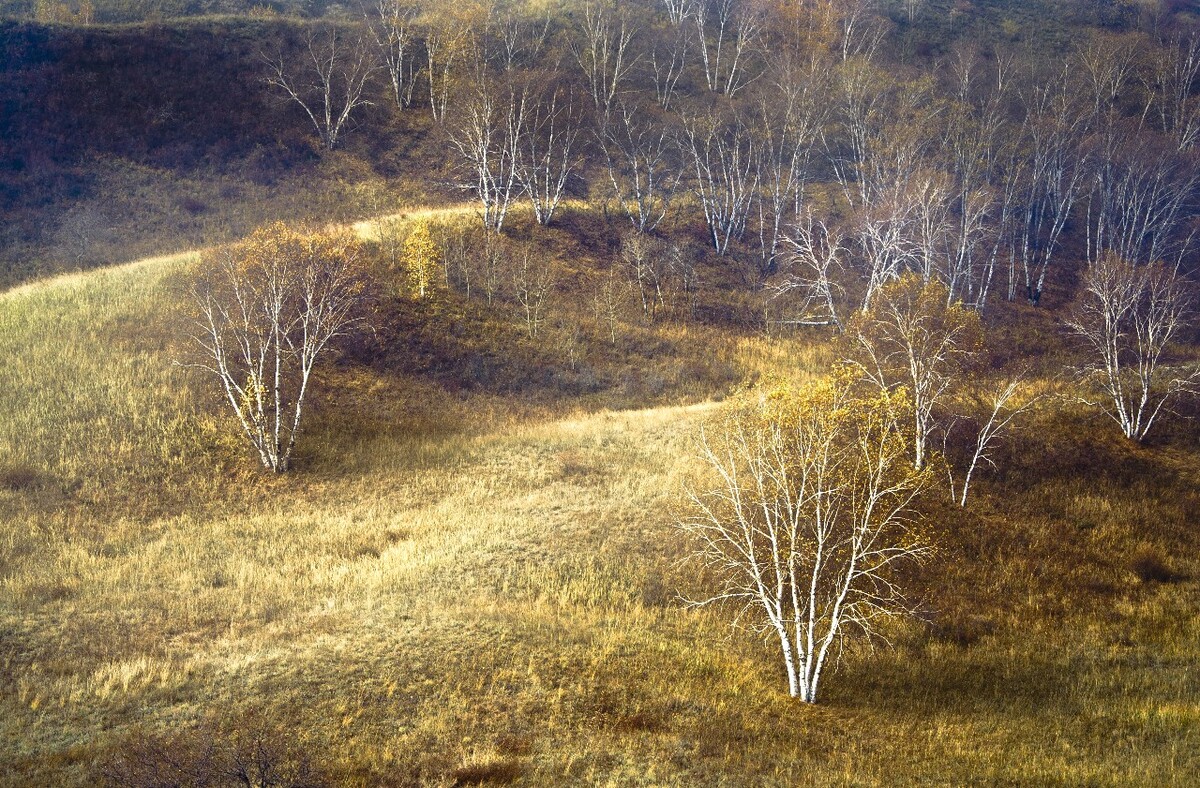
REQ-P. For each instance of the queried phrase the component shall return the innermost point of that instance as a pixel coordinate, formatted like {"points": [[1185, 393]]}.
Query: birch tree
{"points": [[1141, 196], [790, 113], [974, 142], [1055, 177], [721, 152], [609, 296], [487, 128], [646, 262], [1174, 70], [808, 281], [391, 23], [604, 56], [532, 285], [420, 260], [668, 62], [809, 513], [329, 80], [679, 10], [727, 34], [999, 408], [641, 157], [1127, 318], [267, 310], [914, 339], [550, 151], [447, 35]]}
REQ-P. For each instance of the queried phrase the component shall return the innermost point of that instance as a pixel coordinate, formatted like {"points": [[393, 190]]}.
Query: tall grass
{"points": [[92, 397], [460, 588]]}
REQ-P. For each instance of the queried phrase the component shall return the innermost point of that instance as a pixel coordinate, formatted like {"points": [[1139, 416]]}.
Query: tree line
{"points": [[794, 133]]}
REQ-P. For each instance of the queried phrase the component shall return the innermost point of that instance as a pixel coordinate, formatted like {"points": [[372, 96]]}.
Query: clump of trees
{"points": [[978, 172], [267, 310]]}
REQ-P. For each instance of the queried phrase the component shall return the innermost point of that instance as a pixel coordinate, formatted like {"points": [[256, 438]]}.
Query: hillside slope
{"points": [[459, 588], [121, 141]]}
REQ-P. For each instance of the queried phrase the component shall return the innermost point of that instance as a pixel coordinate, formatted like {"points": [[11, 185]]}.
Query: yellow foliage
{"points": [[420, 260], [833, 410], [291, 255]]}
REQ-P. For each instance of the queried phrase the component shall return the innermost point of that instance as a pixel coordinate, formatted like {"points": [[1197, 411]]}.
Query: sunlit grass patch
{"points": [[477, 586]]}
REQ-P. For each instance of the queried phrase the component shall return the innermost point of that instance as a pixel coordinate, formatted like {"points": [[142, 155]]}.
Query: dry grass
{"points": [[466, 589]]}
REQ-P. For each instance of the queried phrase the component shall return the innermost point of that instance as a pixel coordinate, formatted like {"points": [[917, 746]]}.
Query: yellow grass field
{"points": [[467, 589]]}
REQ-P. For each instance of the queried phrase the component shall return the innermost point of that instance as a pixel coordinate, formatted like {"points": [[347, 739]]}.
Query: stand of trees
{"points": [[987, 172], [889, 203]]}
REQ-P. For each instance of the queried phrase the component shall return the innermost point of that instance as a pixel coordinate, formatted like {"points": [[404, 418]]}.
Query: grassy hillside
{"points": [[472, 573], [463, 585]]}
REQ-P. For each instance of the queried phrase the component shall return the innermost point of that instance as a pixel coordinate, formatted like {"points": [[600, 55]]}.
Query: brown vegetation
{"points": [[632, 220]]}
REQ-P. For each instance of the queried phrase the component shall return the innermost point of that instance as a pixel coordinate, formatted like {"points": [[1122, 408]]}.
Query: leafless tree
{"points": [[458, 255], [682, 276], [605, 56], [522, 38], [447, 38], [912, 338], [566, 337], [947, 211], [809, 275], [974, 126], [668, 62], [608, 301], [1000, 407], [492, 258], [789, 117], [859, 34], [1141, 194], [389, 232], [330, 80], [81, 230], [806, 520], [268, 309], [550, 151], [1055, 176], [1174, 71], [931, 195], [862, 108], [392, 26], [679, 10], [911, 7], [970, 261], [1106, 63], [1128, 316], [532, 284], [641, 155], [884, 232], [720, 149], [727, 35], [646, 262], [487, 128]]}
